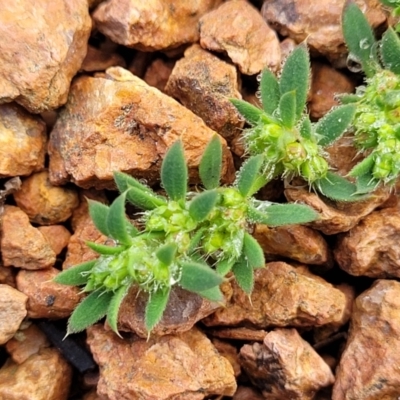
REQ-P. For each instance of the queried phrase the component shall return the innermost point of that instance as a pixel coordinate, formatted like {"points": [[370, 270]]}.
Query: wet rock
{"points": [[12, 311], [47, 299], [317, 23], [183, 310], [184, 366], [368, 366], [99, 60], [282, 296], [95, 136], [158, 73], [23, 141], [297, 242], [336, 217], [371, 248], [44, 203], [22, 245], [43, 376], [203, 83], [285, 366], [236, 27], [150, 26], [48, 44], [57, 236]]}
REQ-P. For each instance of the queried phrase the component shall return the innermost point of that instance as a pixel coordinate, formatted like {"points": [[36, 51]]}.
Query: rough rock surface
{"points": [[184, 366], [154, 25], [12, 311], [183, 310], [44, 203], [297, 242], [57, 235], [204, 83], [247, 393], [99, 60], [47, 299], [285, 366], [368, 366], [43, 376], [158, 73], [22, 245], [372, 247], [7, 275], [22, 141], [48, 42], [236, 27], [95, 136], [241, 333], [282, 296], [318, 23]]}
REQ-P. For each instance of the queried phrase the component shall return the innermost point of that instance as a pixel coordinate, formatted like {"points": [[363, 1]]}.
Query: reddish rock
{"points": [[230, 352], [236, 28], [99, 60], [22, 245], [368, 367], [282, 296], [44, 203], [242, 333], [184, 366], [287, 46], [92, 395], [158, 73], [12, 311], [95, 136], [47, 41], [47, 299], [150, 26], [57, 236], [43, 376], [247, 393], [7, 275], [22, 140], [285, 366]]}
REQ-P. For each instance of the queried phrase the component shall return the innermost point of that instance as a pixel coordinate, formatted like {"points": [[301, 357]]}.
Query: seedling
{"points": [[190, 239]]}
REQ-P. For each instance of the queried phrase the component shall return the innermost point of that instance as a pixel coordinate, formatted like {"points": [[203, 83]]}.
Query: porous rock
{"points": [[22, 141], [183, 366], [285, 366], [368, 366], [236, 27], [48, 42], [204, 83], [22, 245], [282, 296], [12, 311], [119, 123], [150, 26]]}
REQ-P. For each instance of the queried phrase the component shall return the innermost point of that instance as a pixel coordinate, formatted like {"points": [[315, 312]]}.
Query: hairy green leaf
{"points": [[125, 182], [211, 164], [166, 253], [390, 51], [195, 240], [104, 249], [202, 204], [174, 172], [213, 294], [244, 275], [197, 277], [346, 98], [89, 311], [144, 200], [269, 89], [75, 276], [366, 183], [391, 3], [296, 77], [360, 39], [155, 308], [364, 167], [252, 114], [117, 223], [333, 124], [306, 128], [249, 177], [287, 109], [253, 252], [224, 266], [114, 306], [99, 212]]}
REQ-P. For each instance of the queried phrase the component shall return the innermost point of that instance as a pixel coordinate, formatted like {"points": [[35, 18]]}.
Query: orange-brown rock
{"points": [[368, 367], [185, 366], [22, 245], [336, 217], [22, 141], [150, 26], [57, 235], [236, 27], [43, 376], [282, 296], [247, 393], [183, 310], [44, 203], [12, 311], [297, 242], [241, 333], [99, 60], [7, 275], [47, 299], [42, 46], [158, 73], [92, 395], [372, 247], [285, 366], [119, 123], [26, 342], [204, 83], [317, 23], [230, 352]]}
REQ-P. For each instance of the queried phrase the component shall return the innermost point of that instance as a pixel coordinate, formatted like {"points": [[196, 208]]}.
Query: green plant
{"points": [[188, 238], [376, 121], [395, 12], [290, 144]]}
